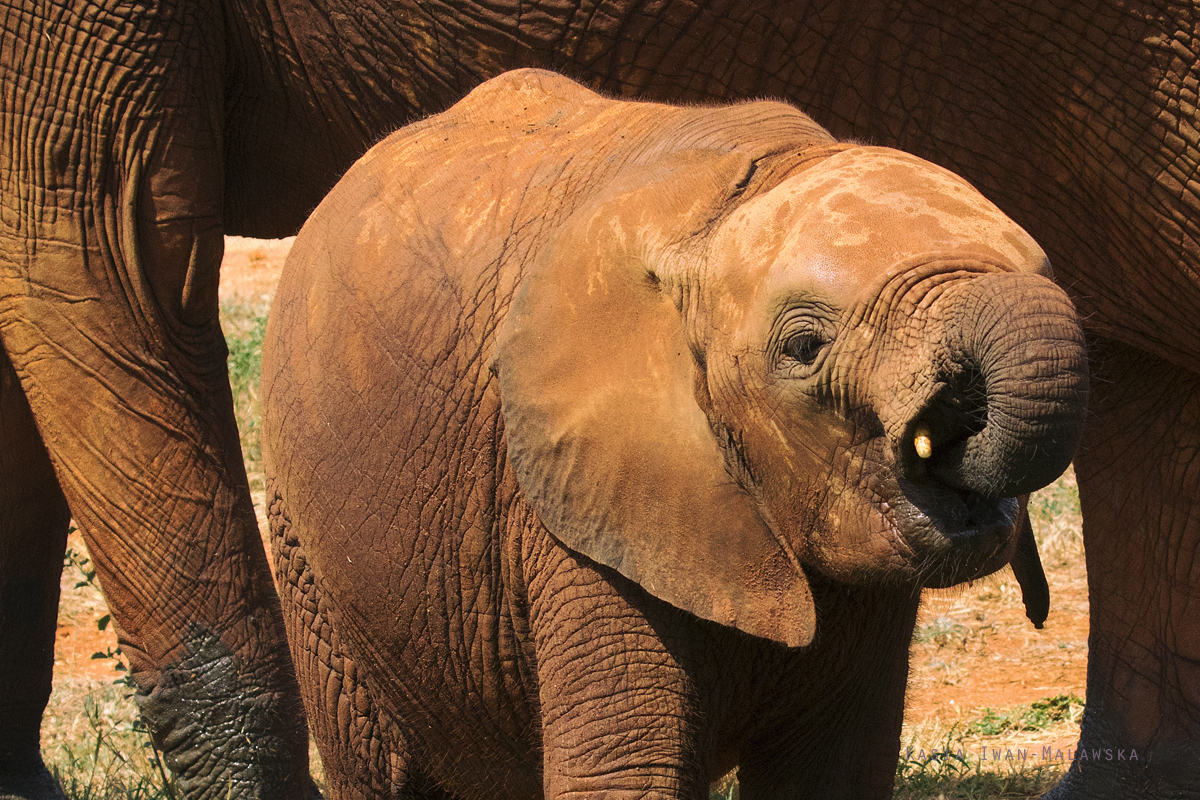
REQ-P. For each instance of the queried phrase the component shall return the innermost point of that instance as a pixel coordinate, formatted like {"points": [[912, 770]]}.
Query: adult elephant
{"points": [[639, 360], [134, 135]]}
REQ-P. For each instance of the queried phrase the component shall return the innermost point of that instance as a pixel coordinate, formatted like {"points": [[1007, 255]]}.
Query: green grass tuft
{"points": [[1037, 716], [244, 328]]}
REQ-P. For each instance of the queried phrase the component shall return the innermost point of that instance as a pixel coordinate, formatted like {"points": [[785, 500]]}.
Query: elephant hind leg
{"points": [[33, 535], [364, 755]]}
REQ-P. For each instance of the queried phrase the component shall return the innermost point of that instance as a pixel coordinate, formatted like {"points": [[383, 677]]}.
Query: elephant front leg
{"points": [[619, 715], [109, 267], [33, 536], [1139, 484], [837, 733]]}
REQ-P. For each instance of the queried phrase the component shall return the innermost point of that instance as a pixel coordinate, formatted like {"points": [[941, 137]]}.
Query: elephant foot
{"points": [[216, 723], [1169, 771], [35, 784]]}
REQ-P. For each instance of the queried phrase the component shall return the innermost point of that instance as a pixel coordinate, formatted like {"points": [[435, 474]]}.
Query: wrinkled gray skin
{"points": [[565, 396], [133, 135]]}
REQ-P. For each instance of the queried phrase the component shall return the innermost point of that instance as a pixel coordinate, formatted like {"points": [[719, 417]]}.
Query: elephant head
{"points": [[716, 381]]}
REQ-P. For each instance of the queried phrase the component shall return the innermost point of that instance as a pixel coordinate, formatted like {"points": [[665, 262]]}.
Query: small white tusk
{"points": [[922, 442]]}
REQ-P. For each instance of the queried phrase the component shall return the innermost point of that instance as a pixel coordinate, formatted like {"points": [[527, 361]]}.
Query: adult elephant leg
{"points": [[111, 245], [33, 535], [1139, 484], [147, 454]]}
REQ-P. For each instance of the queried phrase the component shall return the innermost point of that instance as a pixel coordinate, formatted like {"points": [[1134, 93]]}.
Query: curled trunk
{"points": [[1004, 411]]}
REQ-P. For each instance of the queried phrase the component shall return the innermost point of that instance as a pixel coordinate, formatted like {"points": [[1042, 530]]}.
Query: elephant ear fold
{"points": [[604, 431]]}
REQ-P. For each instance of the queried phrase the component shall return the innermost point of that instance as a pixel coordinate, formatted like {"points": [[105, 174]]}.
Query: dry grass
{"points": [[92, 738], [1010, 750]]}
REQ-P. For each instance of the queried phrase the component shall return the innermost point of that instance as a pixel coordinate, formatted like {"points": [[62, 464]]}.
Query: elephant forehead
{"points": [[863, 215]]}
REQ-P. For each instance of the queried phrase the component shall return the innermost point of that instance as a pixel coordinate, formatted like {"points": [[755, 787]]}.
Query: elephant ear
{"points": [[598, 389]]}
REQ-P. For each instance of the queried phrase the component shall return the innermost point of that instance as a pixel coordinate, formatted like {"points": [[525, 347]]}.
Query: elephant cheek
{"points": [[823, 487], [856, 543], [806, 491]]}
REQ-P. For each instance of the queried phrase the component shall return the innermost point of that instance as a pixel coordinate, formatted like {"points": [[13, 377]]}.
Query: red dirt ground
{"points": [[1000, 660]]}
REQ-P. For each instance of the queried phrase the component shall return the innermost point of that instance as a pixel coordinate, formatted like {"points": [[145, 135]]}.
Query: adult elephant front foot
{"points": [[210, 708], [1139, 485]]}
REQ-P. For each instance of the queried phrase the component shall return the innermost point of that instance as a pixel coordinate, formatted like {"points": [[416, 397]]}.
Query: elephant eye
{"points": [[804, 347]]}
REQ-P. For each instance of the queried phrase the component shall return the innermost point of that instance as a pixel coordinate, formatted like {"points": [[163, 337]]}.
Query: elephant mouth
{"points": [[890, 528], [953, 535]]}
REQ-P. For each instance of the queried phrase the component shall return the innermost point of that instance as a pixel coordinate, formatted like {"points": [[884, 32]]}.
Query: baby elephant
{"points": [[611, 443]]}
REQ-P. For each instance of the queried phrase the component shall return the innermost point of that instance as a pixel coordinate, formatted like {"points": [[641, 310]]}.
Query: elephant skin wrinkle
{"points": [[209, 707]]}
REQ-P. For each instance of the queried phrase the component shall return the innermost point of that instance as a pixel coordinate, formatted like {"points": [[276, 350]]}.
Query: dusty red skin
{"points": [[543, 447]]}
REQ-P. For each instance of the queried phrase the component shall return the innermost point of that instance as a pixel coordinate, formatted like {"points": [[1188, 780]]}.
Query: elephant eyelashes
{"points": [[804, 348]]}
